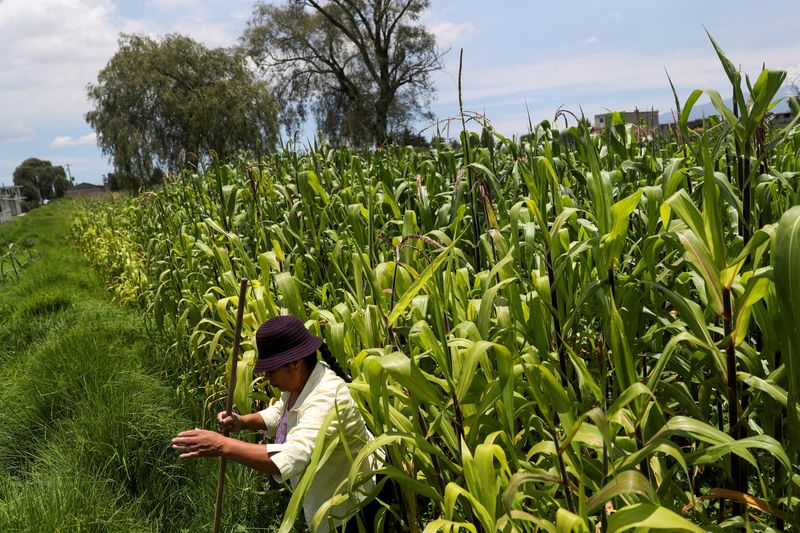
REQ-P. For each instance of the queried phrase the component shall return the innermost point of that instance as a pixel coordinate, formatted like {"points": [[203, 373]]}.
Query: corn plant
{"points": [[573, 331], [13, 259]]}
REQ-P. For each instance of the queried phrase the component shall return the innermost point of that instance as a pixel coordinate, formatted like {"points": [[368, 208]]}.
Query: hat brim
{"points": [[267, 364]]}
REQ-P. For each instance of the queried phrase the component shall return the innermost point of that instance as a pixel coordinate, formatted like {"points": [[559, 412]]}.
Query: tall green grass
{"points": [[577, 330], [85, 417]]}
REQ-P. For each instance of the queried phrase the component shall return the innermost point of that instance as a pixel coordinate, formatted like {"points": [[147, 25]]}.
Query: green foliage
{"points": [[160, 104], [787, 285], [602, 352], [13, 258], [364, 68], [85, 419], [40, 180]]}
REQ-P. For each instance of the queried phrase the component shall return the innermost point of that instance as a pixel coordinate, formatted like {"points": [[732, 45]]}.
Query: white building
{"points": [[10, 202], [636, 117]]}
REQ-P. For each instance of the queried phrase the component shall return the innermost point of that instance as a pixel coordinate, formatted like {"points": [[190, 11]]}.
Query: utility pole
{"points": [[71, 179]]}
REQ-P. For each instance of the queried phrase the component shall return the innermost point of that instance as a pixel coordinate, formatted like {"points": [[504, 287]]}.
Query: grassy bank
{"points": [[85, 419]]}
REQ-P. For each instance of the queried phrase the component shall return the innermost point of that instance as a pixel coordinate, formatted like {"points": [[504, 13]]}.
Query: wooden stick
{"points": [[229, 405]]}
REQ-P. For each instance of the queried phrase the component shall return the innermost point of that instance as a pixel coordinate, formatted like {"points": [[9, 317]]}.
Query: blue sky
{"points": [[590, 55]]}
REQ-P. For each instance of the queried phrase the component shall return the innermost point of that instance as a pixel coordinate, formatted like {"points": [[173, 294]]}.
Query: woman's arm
{"points": [[204, 443], [270, 417], [235, 422]]}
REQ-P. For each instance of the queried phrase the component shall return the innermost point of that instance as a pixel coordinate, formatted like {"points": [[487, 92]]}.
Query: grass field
{"points": [[85, 418]]}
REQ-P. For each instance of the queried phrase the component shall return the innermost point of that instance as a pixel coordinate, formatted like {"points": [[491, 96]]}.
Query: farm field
{"points": [[577, 330], [527, 270], [85, 414]]}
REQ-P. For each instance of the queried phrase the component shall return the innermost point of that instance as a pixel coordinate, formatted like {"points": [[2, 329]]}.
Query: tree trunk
{"points": [[381, 118]]}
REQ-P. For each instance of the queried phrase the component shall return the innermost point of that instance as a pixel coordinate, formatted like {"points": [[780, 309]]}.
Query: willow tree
{"points": [[362, 67], [161, 104], [40, 180]]}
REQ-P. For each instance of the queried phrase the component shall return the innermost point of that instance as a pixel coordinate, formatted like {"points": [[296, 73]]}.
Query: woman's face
{"points": [[290, 377]]}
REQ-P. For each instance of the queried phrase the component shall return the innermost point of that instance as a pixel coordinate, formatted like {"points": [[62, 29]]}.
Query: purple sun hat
{"points": [[281, 340]]}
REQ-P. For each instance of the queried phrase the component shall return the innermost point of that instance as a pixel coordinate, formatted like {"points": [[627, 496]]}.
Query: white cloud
{"points": [[206, 29], [793, 73], [191, 18], [450, 33], [196, 23], [10, 133], [62, 142], [592, 40], [170, 5], [55, 32], [597, 81], [146, 27], [50, 50], [624, 71]]}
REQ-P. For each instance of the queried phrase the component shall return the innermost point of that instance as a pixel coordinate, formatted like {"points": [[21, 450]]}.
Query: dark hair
{"points": [[327, 356]]}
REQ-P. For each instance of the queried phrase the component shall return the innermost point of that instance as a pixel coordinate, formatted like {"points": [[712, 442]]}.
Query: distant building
{"points": [[10, 202], [85, 189], [779, 116], [778, 120], [639, 118]]}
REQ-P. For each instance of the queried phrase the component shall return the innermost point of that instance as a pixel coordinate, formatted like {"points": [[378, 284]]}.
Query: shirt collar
{"points": [[313, 380]]}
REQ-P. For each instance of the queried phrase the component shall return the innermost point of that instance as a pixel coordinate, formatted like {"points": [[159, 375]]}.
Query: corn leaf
{"points": [[648, 516]]}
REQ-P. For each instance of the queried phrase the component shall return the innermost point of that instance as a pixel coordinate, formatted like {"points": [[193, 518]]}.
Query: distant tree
{"points": [[160, 104], [362, 66], [31, 194], [60, 185], [156, 177], [409, 137], [40, 180], [115, 181], [123, 181]]}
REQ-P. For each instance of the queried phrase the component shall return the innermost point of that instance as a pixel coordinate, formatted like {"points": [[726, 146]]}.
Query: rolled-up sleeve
{"points": [[294, 458], [271, 416], [324, 392]]}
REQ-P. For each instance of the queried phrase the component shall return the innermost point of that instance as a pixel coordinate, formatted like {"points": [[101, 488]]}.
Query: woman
{"points": [[287, 353]]}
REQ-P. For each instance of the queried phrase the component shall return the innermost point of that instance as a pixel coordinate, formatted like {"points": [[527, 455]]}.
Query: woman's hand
{"points": [[231, 423], [204, 443], [199, 443]]}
